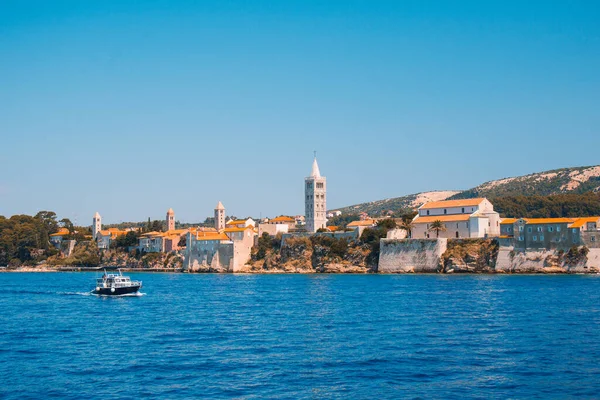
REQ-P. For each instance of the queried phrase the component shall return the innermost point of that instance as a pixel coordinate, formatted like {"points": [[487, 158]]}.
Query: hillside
{"points": [[408, 202], [558, 181], [574, 180]]}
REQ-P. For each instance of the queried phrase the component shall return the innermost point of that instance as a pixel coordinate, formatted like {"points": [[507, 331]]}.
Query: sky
{"points": [[129, 108]]}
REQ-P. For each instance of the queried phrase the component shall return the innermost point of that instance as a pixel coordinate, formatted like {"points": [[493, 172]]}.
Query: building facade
{"points": [[315, 199], [470, 218], [550, 233]]}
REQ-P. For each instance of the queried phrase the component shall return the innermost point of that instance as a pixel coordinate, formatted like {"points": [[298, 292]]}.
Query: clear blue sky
{"points": [[131, 107]]}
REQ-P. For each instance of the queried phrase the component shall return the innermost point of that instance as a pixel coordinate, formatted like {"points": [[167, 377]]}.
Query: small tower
{"points": [[96, 225], [315, 199], [170, 220], [219, 217]]}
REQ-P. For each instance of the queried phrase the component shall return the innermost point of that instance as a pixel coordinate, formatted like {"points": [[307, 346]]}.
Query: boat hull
{"points": [[117, 291]]}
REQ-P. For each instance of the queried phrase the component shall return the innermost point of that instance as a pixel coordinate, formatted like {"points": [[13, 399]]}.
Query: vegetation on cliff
{"points": [[25, 239], [470, 255], [555, 206]]}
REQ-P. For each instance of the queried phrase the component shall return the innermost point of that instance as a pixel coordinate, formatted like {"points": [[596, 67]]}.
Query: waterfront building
{"points": [[315, 199], [228, 250], [470, 218], [159, 242], [550, 233], [170, 220]]}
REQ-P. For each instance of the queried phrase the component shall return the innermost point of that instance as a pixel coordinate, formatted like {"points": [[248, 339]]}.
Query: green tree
{"points": [[437, 226], [407, 225]]}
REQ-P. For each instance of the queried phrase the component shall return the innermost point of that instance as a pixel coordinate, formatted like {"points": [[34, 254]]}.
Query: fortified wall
{"points": [[411, 255], [547, 261]]}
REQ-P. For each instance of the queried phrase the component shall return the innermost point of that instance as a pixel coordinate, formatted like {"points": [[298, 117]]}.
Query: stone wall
{"points": [[411, 255], [546, 261]]}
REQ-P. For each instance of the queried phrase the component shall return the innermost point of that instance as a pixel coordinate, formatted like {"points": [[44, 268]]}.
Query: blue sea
{"points": [[301, 336]]}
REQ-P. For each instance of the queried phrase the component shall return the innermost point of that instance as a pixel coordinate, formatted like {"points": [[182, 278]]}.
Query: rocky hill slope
{"points": [[565, 180]]}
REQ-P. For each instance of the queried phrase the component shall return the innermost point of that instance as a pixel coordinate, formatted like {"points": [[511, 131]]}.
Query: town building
{"points": [[360, 226], [228, 250], [57, 238], [315, 199], [550, 233], [469, 218]]}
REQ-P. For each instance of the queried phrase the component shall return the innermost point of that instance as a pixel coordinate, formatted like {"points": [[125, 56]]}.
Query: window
{"points": [[529, 229], [540, 229], [445, 211], [575, 231], [463, 210], [558, 229], [520, 229], [520, 238], [427, 212], [550, 229], [535, 238], [593, 238], [541, 238], [320, 185]]}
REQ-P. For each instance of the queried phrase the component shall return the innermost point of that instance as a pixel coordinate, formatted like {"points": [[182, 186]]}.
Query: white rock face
{"points": [[411, 255]]}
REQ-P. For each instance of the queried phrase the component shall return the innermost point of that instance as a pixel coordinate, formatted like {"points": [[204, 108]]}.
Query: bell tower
{"points": [[170, 220], [219, 217], [96, 225], [315, 199]]}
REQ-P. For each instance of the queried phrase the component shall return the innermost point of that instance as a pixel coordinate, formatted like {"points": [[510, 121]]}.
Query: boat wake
{"points": [[137, 294]]}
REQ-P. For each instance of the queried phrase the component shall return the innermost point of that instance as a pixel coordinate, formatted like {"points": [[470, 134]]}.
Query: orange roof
{"points": [[366, 222], [202, 229], [61, 232], [236, 222], [580, 222], [507, 221], [333, 228], [211, 236], [443, 218], [152, 234], [537, 221], [452, 203], [238, 229], [283, 218]]}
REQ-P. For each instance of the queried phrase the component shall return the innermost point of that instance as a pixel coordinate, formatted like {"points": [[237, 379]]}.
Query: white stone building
{"points": [[219, 217], [469, 218], [315, 199]]}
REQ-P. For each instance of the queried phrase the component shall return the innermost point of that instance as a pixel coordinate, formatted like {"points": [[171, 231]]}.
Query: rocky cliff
{"points": [[313, 255]]}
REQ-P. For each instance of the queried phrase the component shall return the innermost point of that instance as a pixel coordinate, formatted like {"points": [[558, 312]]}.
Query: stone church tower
{"points": [[315, 199], [170, 220], [96, 225], [219, 217]]}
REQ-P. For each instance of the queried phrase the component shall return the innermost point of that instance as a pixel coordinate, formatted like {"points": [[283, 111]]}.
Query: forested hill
{"points": [[566, 180], [576, 180]]}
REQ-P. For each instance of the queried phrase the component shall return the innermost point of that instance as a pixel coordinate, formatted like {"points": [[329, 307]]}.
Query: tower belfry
{"points": [[315, 199]]}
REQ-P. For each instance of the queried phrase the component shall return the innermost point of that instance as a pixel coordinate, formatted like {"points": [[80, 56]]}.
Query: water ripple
{"points": [[289, 337]]}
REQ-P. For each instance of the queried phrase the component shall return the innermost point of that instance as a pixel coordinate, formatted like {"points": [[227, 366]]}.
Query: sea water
{"points": [[301, 336]]}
